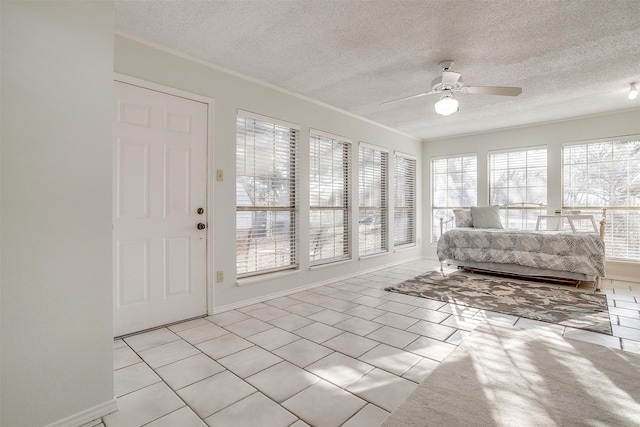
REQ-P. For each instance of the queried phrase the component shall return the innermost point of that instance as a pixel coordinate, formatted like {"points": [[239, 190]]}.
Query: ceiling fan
{"points": [[451, 82]]}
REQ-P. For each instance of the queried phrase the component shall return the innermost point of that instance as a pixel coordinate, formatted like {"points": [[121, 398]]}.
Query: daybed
{"points": [[576, 256]]}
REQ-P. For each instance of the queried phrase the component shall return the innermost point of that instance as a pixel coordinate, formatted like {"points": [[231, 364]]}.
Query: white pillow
{"points": [[463, 218], [486, 217]]}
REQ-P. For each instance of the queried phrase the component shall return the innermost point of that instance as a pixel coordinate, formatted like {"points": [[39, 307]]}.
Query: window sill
{"points": [[330, 264], [363, 257], [266, 277], [405, 247]]}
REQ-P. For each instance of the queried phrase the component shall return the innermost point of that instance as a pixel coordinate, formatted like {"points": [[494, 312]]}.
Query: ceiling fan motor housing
{"points": [[437, 86]]}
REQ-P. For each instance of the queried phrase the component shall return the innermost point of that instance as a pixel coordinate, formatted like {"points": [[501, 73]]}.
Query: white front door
{"points": [[160, 182]]}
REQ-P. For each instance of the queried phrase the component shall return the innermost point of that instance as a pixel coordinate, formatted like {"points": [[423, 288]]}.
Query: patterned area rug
{"points": [[533, 300]]}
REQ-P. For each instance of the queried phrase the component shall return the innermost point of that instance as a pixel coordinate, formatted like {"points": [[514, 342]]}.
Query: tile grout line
{"points": [[339, 286], [161, 380]]}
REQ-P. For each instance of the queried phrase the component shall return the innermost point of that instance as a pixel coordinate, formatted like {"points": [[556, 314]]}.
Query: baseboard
{"points": [[290, 291], [88, 415], [256, 300], [620, 278], [627, 271]]}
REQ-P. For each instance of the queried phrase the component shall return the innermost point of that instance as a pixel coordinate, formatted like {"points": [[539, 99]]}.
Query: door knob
{"points": [[201, 226]]}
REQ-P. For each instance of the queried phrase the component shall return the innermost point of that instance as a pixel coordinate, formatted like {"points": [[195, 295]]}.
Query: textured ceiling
{"points": [[572, 58]]}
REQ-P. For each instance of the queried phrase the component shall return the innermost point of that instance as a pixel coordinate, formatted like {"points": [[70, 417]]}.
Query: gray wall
{"points": [[231, 93], [56, 321], [553, 136]]}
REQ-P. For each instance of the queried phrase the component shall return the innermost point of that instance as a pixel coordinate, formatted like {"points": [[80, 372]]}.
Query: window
{"points": [[454, 185], [607, 175], [404, 213], [518, 180], [265, 195], [372, 234], [330, 211]]}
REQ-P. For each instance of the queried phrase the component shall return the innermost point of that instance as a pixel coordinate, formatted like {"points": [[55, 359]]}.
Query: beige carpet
{"points": [[503, 376]]}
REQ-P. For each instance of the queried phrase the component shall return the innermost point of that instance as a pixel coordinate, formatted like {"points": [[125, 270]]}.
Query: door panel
{"points": [[133, 269], [133, 201], [160, 175], [177, 261], [177, 174]]}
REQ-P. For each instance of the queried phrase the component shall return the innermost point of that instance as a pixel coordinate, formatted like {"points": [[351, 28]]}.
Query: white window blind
{"points": [[454, 185], [266, 168], [373, 173], [330, 211], [518, 180], [404, 213], [606, 174]]}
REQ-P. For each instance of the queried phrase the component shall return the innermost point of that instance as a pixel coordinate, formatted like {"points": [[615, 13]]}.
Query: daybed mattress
{"points": [[549, 250]]}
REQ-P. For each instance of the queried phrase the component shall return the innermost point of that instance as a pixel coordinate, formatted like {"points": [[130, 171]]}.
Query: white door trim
{"points": [[210, 267]]}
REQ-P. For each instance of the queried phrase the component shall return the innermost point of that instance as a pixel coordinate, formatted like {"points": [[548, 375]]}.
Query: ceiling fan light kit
{"points": [[633, 91], [450, 82], [447, 105]]}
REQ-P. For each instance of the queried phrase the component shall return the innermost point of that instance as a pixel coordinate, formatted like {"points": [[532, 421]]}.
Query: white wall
{"points": [[553, 135], [230, 94], [56, 321]]}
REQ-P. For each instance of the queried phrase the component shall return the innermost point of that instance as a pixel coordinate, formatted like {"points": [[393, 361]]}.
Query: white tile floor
{"points": [[345, 354]]}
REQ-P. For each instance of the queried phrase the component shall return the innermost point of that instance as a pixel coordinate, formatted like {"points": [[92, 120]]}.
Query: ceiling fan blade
{"points": [[449, 78], [493, 90], [406, 98]]}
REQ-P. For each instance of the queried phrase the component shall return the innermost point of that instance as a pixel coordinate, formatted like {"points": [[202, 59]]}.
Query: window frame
{"points": [[447, 208], [401, 202], [612, 212], [271, 211], [316, 237], [372, 211], [528, 210]]}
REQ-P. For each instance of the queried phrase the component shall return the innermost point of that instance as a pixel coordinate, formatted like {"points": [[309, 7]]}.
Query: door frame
{"points": [[209, 258]]}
